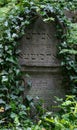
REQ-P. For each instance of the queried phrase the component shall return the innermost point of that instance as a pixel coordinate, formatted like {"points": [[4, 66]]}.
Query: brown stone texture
{"points": [[71, 15], [38, 58]]}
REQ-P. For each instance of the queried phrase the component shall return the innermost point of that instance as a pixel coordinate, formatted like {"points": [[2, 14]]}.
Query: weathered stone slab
{"points": [[38, 46], [38, 58]]}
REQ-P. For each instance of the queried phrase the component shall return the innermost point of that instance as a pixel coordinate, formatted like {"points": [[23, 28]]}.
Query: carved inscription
{"points": [[45, 86], [38, 55], [39, 49], [43, 36]]}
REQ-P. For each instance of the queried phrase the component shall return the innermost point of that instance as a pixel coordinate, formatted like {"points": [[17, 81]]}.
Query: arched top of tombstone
{"points": [[39, 45]]}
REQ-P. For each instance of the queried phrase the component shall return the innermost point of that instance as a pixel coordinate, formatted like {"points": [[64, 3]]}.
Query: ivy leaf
{"points": [[49, 8], [27, 22], [29, 98], [11, 59], [27, 75], [29, 128], [8, 33], [23, 113], [14, 35], [29, 84], [4, 78], [2, 102], [7, 107], [3, 88], [2, 95], [67, 103], [2, 121], [13, 115], [70, 51], [6, 23], [13, 97], [1, 46], [21, 88], [16, 121], [48, 19]]}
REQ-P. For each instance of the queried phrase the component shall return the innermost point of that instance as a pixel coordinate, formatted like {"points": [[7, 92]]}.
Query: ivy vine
{"points": [[13, 110]]}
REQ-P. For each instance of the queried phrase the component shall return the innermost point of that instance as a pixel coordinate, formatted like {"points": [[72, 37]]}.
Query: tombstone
{"points": [[38, 58]]}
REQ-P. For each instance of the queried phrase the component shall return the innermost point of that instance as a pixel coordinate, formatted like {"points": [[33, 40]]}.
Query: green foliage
{"points": [[68, 52], [6, 2], [67, 117], [14, 111]]}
